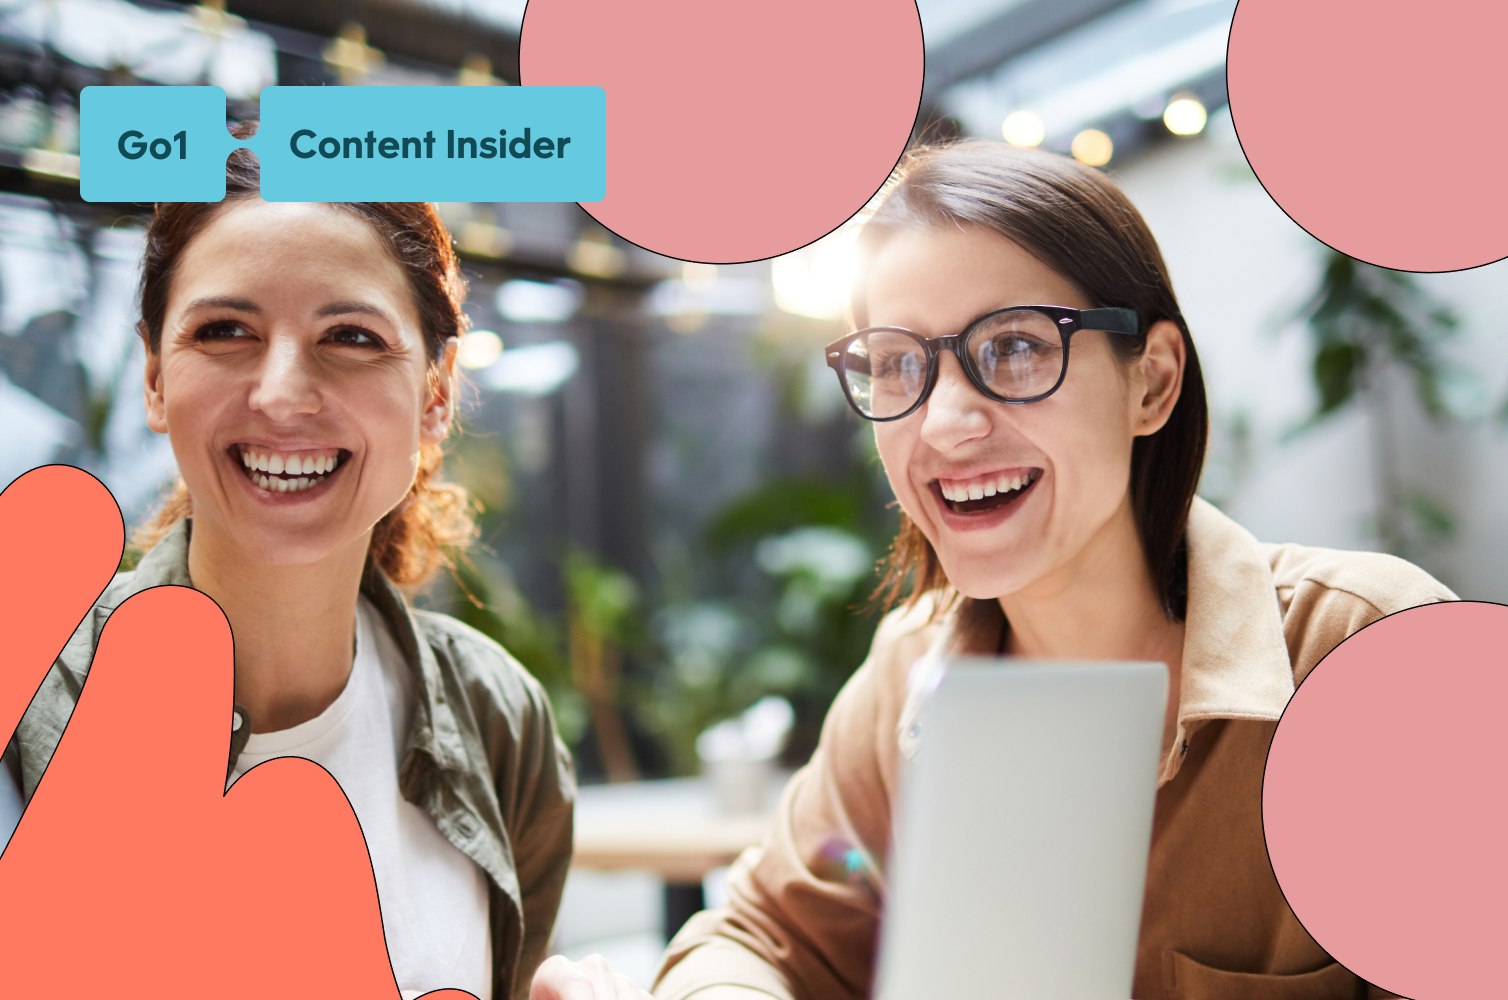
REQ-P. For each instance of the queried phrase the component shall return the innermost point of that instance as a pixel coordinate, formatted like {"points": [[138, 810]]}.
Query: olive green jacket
{"points": [[483, 758]]}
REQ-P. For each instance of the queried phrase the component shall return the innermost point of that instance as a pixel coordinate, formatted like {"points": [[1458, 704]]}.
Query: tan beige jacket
{"points": [[804, 907]]}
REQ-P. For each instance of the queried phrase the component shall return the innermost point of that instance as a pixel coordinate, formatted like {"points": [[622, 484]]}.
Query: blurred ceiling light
{"points": [[1185, 114], [535, 370], [524, 301], [697, 275], [178, 44], [816, 280], [1093, 147], [1024, 128], [597, 258], [476, 71], [210, 17], [479, 349], [483, 238], [51, 163], [733, 295], [349, 55]]}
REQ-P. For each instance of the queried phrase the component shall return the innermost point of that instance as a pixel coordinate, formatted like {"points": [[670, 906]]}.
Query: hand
{"points": [[132, 871], [559, 978]]}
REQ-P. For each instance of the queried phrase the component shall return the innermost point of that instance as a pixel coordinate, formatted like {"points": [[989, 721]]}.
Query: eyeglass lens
{"points": [[1018, 354]]}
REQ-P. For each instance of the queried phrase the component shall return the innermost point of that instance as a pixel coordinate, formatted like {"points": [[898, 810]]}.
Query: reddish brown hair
{"points": [[1075, 220], [434, 521]]}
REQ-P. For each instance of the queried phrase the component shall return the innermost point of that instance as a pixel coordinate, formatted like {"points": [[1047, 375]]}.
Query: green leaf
{"points": [[1337, 368], [1437, 523]]}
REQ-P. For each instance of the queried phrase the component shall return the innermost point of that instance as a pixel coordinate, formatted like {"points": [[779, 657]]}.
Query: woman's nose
{"points": [[956, 412], [286, 387]]}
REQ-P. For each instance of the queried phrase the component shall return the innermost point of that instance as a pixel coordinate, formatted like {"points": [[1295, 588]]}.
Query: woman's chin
{"points": [[981, 578], [252, 542]]}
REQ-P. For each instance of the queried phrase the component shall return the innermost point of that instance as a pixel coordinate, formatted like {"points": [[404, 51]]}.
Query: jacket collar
{"points": [[434, 730], [1235, 658], [1236, 663]]}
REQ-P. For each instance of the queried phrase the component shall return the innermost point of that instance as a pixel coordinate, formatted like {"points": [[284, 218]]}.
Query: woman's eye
{"points": [[220, 330], [354, 336], [1018, 344]]}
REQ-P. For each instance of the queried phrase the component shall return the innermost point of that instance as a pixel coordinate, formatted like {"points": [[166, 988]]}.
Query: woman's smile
{"points": [[288, 471], [983, 501]]}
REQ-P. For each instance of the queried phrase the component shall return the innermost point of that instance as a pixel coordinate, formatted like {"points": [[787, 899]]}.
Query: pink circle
{"points": [[735, 130], [1384, 804], [1378, 127]]}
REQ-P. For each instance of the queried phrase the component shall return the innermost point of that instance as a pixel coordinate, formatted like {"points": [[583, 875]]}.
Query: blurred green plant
{"points": [[603, 626], [1368, 326], [796, 555], [498, 609], [578, 657]]}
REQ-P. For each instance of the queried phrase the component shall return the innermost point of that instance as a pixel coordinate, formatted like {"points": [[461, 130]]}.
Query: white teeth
{"points": [[959, 492], [274, 464]]}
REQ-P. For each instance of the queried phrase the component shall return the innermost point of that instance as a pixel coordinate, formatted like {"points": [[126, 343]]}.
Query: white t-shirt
{"points": [[433, 897]]}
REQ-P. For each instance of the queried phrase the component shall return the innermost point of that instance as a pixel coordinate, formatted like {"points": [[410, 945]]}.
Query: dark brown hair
{"points": [[1075, 220], [434, 520]]}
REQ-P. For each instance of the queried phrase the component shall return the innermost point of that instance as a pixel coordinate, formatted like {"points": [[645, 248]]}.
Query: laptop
{"points": [[1020, 844]]}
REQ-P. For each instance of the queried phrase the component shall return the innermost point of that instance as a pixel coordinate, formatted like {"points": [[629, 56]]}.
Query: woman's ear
{"points": [[157, 412], [440, 409], [1161, 377]]}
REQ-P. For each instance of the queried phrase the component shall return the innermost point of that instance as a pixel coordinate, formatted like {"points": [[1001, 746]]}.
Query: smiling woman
{"points": [[301, 360], [1048, 511]]}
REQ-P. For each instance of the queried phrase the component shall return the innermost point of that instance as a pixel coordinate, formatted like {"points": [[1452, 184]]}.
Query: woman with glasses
{"points": [[1039, 410]]}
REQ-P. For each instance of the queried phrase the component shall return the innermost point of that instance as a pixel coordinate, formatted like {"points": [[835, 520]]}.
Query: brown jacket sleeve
{"points": [[803, 911]]}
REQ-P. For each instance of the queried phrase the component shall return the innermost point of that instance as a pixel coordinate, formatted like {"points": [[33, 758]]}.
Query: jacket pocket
{"points": [[1189, 979]]}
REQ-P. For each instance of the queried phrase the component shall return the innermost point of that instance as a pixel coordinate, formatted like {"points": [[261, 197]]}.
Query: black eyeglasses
{"points": [[1018, 354]]}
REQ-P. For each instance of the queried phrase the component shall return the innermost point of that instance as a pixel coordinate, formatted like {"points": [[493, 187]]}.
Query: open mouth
{"points": [[288, 472], [982, 495]]}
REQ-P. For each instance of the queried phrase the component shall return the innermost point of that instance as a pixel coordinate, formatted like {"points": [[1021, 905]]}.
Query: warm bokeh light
{"points": [[483, 238], [479, 349], [1093, 147], [815, 281], [476, 71], [1185, 115], [1024, 128], [698, 275], [596, 258]]}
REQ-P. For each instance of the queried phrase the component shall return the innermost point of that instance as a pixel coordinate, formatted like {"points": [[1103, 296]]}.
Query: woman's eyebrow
{"points": [[343, 308], [223, 302]]}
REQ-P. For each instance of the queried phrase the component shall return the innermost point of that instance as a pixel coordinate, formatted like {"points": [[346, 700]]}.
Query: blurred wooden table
{"points": [[673, 828]]}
